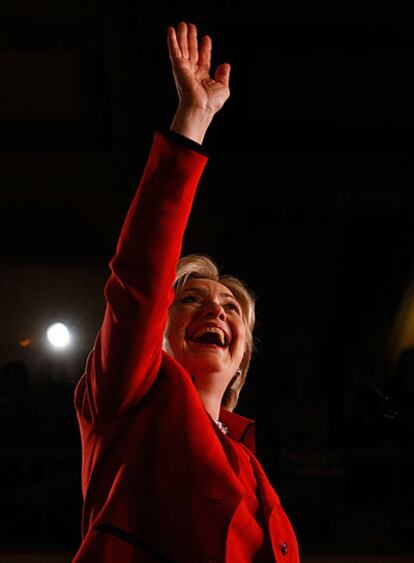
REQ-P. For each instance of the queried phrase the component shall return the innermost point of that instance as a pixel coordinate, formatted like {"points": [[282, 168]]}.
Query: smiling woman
{"points": [[234, 296], [168, 469]]}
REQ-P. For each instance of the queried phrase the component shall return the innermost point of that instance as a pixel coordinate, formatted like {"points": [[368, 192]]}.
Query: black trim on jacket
{"points": [[185, 141], [129, 538]]}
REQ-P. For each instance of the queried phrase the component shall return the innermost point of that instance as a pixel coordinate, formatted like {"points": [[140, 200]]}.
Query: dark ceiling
{"points": [[308, 193]]}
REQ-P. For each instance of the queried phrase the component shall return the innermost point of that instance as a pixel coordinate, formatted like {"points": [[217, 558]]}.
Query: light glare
{"points": [[58, 335]]}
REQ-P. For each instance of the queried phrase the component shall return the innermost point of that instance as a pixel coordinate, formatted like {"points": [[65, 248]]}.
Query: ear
{"points": [[233, 379]]}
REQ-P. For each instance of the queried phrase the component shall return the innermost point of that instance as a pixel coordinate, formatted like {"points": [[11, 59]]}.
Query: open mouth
{"points": [[210, 336]]}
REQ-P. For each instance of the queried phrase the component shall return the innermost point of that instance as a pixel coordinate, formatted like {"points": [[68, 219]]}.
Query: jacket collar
{"points": [[242, 429]]}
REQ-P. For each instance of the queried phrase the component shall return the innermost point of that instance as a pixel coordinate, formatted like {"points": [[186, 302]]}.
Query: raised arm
{"points": [[126, 357]]}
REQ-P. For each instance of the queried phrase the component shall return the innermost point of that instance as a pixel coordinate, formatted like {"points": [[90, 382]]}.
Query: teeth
{"points": [[213, 329]]}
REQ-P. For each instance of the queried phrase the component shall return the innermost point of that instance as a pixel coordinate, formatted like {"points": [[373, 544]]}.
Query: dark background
{"points": [[308, 196]]}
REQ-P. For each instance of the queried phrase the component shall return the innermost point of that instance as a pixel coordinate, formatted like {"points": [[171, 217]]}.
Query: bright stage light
{"points": [[58, 335]]}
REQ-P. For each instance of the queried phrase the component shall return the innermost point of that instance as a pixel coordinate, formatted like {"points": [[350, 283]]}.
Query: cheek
{"points": [[174, 333], [241, 340]]}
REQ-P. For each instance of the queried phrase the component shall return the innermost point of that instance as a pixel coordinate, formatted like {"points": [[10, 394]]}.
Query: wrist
{"points": [[192, 122]]}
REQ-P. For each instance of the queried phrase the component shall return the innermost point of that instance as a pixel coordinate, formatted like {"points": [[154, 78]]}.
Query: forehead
{"points": [[207, 286]]}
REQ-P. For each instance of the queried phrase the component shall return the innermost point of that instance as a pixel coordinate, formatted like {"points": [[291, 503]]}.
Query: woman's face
{"points": [[205, 330]]}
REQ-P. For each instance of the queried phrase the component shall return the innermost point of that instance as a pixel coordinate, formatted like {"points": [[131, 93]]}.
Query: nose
{"points": [[213, 310]]}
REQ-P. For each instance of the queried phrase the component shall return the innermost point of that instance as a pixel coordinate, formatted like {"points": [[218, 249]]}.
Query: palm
{"points": [[191, 69]]}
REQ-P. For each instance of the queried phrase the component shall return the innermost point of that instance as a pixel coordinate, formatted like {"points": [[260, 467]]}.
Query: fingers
{"points": [[205, 52], [183, 39], [184, 43], [173, 46], [192, 43]]}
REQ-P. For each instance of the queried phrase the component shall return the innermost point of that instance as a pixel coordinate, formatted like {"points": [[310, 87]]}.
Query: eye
{"points": [[232, 306], [190, 299]]}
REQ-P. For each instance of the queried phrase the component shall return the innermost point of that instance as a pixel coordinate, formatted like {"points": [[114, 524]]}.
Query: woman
{"points": [[168, 471]]}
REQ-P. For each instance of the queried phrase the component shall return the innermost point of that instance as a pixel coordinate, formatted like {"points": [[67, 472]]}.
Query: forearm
{"points": [[191, 122]]}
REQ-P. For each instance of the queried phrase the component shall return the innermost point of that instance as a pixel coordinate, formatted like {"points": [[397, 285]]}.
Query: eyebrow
{"points": [[199, 290]]}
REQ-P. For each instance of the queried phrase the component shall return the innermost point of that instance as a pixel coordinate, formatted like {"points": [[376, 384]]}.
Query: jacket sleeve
{"points": [[126, 356]]}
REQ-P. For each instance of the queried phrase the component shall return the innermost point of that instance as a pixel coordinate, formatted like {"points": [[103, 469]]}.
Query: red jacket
{"points": [[156, 480]]}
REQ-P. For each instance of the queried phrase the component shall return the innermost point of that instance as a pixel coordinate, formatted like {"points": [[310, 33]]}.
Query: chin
{"points": [[206, 366]]}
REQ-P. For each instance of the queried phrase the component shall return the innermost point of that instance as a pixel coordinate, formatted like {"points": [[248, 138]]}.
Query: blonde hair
{"points": [[202, 266]]}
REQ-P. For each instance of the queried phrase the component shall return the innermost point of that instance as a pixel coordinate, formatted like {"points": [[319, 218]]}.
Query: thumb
{"points": [[222, 74]]}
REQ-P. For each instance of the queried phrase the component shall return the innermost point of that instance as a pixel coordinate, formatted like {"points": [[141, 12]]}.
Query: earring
{"points": [[234, 378]]}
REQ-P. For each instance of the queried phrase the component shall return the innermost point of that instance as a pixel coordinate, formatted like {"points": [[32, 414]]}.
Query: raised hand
{"points": [[191, 69], [201, 96]]}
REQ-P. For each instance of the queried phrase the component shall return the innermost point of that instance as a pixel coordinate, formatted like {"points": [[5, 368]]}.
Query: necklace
{"points": [[222, 426]]}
